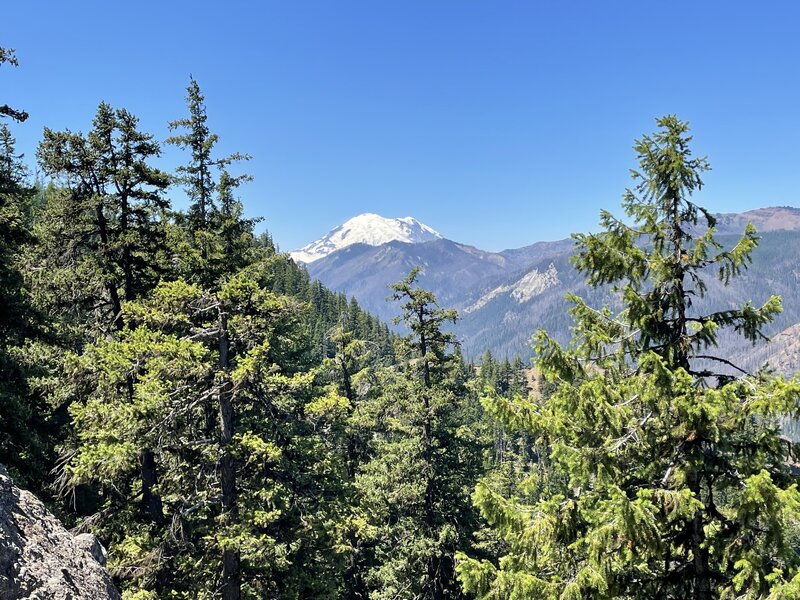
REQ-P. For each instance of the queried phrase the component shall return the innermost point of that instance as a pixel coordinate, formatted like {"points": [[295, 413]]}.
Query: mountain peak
{"points": [[368, 228]]}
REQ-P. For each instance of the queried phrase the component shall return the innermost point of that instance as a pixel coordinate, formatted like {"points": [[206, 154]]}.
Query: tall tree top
{"points": [[657, 260], [424, 318], [7, 56], [197, 176]]}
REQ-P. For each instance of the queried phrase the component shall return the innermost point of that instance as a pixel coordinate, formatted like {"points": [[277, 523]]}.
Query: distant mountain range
{"points": [[369, 229], [503, 297]]}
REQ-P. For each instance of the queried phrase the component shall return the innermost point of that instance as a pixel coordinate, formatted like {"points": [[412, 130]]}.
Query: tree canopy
{"points": [[657, 475]]}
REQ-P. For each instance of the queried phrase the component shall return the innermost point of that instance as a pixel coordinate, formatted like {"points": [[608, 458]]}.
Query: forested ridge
{"points": [[229, 429]]}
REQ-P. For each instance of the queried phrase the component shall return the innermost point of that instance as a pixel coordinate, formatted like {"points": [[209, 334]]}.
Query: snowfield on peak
{"points": [[370, 229]]}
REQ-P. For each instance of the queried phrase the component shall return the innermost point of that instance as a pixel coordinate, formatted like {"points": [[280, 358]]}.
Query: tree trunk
{"points": [[151, 503], [127, 268], [702, 573], [231, 569], [111, 286]]}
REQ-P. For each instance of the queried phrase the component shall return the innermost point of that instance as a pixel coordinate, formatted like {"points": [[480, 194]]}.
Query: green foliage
{"points": [[213, 238], [25, 447], [152, 388], [230, 428], [103, 235], [24, 427], [413, 490], [657, 266], [658, 476], [197, 425]]}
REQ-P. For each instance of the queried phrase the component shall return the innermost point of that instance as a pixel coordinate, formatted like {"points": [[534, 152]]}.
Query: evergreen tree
{"points": [[103, 236], [247, 474], [414, 490], [488, 369], [352, 378], [24, 429], [661, 475], [214, 238], [15, 195]]}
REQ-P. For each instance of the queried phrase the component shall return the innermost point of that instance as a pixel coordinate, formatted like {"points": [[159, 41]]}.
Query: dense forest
{"points": [[229, 429]]}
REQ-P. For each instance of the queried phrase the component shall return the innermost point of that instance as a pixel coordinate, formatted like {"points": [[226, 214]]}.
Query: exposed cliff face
{"points": [[39, 559]]}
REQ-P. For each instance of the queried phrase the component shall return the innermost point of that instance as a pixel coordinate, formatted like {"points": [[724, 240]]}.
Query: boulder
{"points": [[41, 560]]}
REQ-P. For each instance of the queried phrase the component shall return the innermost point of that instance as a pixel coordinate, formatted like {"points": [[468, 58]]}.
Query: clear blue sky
{"points": [[497, 123]]}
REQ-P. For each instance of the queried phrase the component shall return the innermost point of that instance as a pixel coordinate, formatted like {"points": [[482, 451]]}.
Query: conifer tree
{"points": [[103, 236], [414, 489], [27, 429], [223, 396], [23, 413], [352, 381], [215, 236], [662, 472]]}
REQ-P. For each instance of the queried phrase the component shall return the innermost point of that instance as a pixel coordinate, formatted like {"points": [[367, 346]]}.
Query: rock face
{"points": [[41, 560]]}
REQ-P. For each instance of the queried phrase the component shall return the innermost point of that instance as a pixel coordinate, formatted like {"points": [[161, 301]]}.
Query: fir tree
{"points": [[661, 475], [214, 236], [414, 489], [103, 236]]}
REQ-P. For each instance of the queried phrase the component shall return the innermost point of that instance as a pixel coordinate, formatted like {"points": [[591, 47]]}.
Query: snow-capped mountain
{"points": [[503, 297], [369, 229]]}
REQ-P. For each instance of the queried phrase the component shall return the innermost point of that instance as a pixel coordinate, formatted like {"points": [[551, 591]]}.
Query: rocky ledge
{"points": [[39, 559]]}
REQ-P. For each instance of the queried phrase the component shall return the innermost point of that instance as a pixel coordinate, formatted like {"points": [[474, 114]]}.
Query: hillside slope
{"points": [[503, 298]]}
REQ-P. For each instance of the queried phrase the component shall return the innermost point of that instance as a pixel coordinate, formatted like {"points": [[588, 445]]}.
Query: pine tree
{"points": [[214, 236], [662, 472], [103, 236], [414, 489]]}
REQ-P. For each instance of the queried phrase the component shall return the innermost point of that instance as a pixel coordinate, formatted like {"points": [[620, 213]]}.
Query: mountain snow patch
{"points": [[370, 229], [524, 289]]}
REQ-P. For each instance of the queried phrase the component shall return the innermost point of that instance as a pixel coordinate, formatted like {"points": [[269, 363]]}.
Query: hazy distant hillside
{"points": [[506, 321], [775, 218], [528, 255], [782, 353], [449, 269]]}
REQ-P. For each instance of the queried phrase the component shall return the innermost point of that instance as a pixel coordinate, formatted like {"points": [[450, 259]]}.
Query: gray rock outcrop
{"points": [[41, 560]]}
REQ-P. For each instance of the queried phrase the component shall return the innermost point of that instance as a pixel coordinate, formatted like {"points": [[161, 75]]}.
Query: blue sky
{"points": [[497, 123]]}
